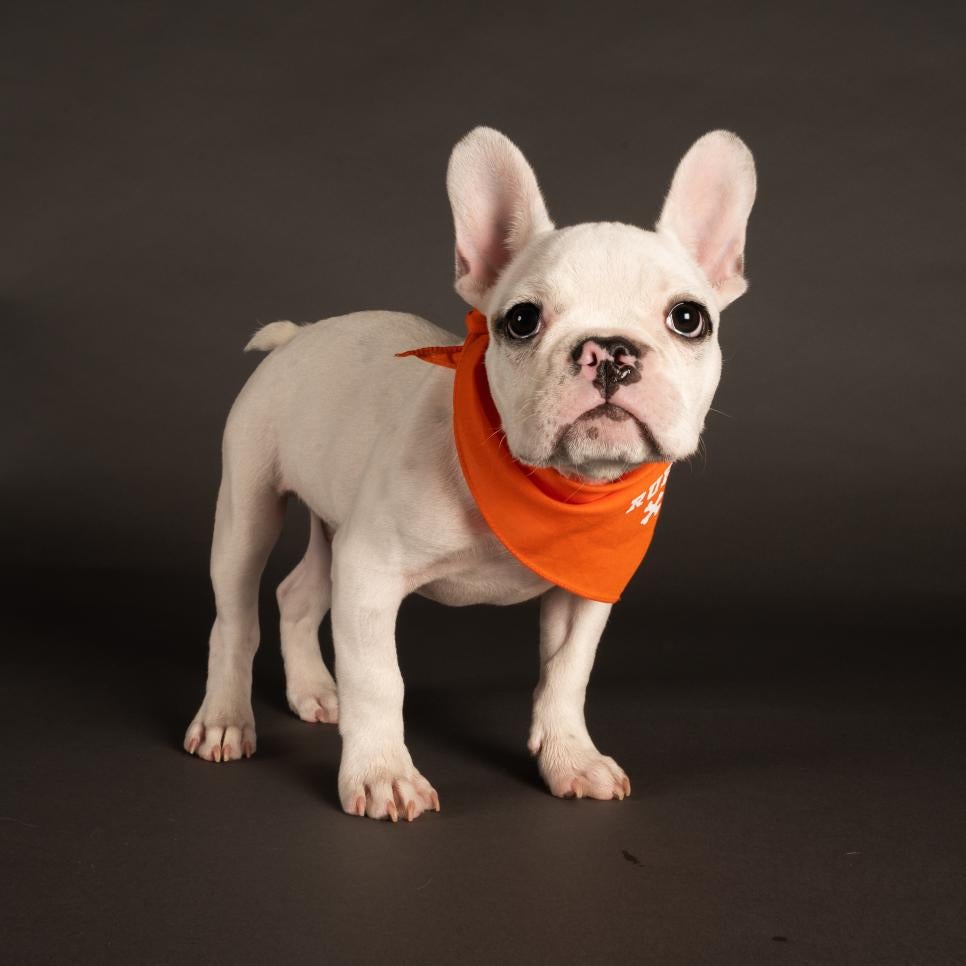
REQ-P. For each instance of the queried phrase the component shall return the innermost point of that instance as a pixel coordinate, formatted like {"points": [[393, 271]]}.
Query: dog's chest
{"points": [[489, 575]]}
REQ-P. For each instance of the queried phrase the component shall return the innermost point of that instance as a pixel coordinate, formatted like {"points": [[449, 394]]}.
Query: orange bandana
{"points": [[588, 538]]}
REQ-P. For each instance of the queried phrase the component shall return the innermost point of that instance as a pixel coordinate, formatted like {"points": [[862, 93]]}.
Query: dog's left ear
{"points": [[497, 209], [708, 206]]}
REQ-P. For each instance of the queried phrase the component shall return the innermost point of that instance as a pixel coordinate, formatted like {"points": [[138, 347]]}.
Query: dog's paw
{"points": [[578, 770], [225, 736], [389, 787], [314, 700]]}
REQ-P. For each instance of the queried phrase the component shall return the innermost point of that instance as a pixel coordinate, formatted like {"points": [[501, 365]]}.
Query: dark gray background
{"points": [[779, 680]]}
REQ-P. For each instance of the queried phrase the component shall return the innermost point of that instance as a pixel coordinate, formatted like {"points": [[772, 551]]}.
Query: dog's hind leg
{"points": [[248, 520], [304, 597]]}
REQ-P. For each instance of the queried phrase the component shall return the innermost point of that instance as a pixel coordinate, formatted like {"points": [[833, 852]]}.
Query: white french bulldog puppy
{"points": [[390, 511]]}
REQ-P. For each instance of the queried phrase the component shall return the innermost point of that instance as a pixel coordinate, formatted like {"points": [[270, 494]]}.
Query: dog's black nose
{"points": [[611, 376], [608, 362]]}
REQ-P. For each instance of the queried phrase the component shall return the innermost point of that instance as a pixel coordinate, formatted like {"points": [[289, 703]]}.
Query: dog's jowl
{"points": [[531, 460]]}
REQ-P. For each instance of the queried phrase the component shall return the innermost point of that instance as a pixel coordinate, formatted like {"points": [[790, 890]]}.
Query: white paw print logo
{"points": [[653, 496]]}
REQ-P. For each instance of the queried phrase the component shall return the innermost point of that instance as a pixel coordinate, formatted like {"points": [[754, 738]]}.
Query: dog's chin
{"points": [[595, 470], [601, 445]]}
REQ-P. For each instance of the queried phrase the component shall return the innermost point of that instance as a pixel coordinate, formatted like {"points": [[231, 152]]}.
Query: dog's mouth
{"points": [[607, 410]]}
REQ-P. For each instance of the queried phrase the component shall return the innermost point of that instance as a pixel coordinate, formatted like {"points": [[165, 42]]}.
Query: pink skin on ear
{"points": [[497, 209], [708, 206]]}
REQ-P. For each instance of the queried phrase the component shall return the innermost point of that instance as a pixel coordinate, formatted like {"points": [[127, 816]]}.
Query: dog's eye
{"points": [[523, 321], [688, 319]]}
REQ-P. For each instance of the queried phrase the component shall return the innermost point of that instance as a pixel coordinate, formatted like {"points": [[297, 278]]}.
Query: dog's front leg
{"points": [[569, 762], [376, 776]]}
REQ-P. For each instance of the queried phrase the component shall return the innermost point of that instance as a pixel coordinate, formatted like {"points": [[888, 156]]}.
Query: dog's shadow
{"points": [[472, 724], [480, 724], [436, 722]]}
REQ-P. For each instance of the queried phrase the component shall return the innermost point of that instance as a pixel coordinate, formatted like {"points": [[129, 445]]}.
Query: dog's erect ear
{"points": [[708, 206], [497, 209]]}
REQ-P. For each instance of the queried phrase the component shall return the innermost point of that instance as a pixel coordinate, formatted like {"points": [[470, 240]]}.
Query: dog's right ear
{"points": [[497, 209]]}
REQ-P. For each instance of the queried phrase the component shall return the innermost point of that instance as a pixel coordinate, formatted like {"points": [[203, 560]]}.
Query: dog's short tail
{"points": [[272, 336]]}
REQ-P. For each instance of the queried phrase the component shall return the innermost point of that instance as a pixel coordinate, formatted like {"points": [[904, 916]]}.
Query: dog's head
{"points": [[603, 337]]}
